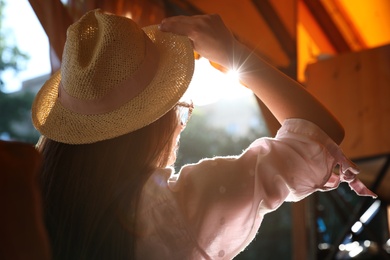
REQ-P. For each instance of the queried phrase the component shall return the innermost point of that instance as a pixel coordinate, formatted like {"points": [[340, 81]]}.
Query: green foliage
{"points": [[15, 118], [200, 140]]}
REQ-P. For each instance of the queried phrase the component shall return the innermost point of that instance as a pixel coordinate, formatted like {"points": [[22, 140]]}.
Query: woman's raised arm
{"points": [[285, 97]]}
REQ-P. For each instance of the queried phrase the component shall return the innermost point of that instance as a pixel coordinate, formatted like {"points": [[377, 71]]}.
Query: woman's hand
{"points": [[209, 35]]}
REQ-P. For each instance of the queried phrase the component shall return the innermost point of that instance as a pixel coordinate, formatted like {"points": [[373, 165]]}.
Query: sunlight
{"points": [[209, 85], [234, 76], [128, 15]]}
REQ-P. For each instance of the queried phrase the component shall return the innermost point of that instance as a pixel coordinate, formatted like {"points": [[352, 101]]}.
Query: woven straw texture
{"points": [[101, 52]]}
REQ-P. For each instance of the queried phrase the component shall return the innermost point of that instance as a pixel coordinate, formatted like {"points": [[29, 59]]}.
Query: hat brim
{"points": [[175, 70]]}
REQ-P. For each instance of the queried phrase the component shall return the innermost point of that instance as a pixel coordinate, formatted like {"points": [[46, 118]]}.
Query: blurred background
{"points": [[338, 49]]}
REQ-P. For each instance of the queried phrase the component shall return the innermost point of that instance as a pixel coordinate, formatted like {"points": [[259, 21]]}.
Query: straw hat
{"points": [[115, 78]]}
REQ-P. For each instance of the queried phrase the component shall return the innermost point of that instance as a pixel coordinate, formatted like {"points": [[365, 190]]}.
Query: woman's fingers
{"points": [[181, 25], [210, 37]]}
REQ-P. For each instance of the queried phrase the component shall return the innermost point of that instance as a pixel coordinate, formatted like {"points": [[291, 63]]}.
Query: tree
{"points": [[195, 144], [10, 55], [15, 117], [15, 122]]}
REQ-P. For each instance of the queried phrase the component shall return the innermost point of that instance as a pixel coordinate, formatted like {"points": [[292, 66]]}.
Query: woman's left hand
{"points": [[209, 35]]}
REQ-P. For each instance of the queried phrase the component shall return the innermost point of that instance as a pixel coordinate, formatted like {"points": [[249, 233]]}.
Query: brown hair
{"points": [[91, 191]]}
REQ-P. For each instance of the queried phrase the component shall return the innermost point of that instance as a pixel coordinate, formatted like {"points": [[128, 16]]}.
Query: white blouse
{"points": [[214, 208]]}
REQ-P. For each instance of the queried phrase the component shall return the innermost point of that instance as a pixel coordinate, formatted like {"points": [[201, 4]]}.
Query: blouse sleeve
{"points": [[223, 200]]}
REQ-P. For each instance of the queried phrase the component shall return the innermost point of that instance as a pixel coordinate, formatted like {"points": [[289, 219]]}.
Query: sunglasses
{"points": [[185, 112]]}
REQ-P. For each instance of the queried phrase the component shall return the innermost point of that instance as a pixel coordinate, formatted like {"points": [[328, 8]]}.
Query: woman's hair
{"points": [[91, 191]]}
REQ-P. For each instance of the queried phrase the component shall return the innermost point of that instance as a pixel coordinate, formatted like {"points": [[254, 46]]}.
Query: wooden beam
{"points": [[341, 17], [286, 41], [55, 20], [328, 26], [314, 30], [181, 7], [288, 45], [300, 236]]}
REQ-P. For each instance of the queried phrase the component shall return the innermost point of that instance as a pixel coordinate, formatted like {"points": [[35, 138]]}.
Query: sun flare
{"points": [[209, 85]]}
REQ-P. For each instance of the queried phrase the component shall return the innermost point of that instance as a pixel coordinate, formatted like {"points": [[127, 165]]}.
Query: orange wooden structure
{"points": [[355, 86]]}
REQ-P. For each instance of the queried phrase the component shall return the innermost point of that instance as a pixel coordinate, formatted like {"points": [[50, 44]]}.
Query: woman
{"points": [[111, 120]]}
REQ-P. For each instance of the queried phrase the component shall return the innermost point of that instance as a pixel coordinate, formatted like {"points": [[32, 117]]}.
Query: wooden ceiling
{"points": [[290, 33]]}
